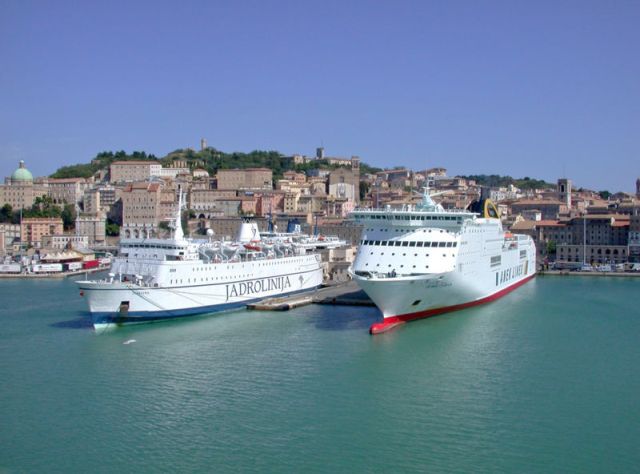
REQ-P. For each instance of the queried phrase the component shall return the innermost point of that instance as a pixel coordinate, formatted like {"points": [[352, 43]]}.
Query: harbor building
{"points": [[634, 237], [93, 227], [594, 253], [65, 241]]}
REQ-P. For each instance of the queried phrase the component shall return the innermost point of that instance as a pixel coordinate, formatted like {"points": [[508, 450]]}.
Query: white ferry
{"points": [[422, 260], [158, 279]]}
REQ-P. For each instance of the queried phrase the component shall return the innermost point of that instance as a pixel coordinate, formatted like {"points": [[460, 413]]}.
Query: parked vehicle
{"points": [[90, 264], [73, 266], [11, 268], [46, 268]]}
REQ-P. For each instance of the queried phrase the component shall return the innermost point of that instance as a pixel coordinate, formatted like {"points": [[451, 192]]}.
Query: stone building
{"points": [[33, 229], [63, 241], [132, 171], [344, 183], [595, 254], [634, 237], [144, 207], [606, 237], [245, 179], [563, 190], [66, 190], [299, 178], [93, 227], [550, 209], [20, 189]]}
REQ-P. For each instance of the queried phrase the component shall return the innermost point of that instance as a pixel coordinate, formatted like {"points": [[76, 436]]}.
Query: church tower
{"points": [[564, 191]]}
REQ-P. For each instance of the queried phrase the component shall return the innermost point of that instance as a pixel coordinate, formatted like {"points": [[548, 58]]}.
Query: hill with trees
{"points": [[495, 181], [209, 159]]}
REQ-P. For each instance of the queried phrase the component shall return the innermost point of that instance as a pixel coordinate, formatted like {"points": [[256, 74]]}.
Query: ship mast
{"points": [[179, 233]]}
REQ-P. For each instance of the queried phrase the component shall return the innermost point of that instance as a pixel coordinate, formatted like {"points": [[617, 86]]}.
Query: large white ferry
{"points": [[157, 279], [422, 260]]}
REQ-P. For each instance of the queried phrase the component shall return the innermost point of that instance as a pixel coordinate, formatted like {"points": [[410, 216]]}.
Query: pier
{"points": [[594, 273], [28, 276], [343, 294]]}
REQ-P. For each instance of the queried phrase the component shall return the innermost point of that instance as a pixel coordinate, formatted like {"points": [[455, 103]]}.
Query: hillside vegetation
{"points": [[209, 159], [212, 160]]}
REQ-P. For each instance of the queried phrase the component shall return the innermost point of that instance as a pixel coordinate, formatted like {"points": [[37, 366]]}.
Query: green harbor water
{"points": [[546, 379]]}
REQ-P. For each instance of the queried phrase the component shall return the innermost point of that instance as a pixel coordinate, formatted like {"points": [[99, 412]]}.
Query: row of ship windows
{"points": [[417, 218], [154, 246], [202, 280], [264, 264], [415, 255], [404, 231], [406, 243]]}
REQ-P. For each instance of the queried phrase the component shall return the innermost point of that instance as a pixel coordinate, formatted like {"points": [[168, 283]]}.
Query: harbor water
{"points": [[546, 379]]}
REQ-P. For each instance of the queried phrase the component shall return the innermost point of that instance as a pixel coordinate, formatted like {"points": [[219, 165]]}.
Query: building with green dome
{"points": [[19, 190], [21, 176]]}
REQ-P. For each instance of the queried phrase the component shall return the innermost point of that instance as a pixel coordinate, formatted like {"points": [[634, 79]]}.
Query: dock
{"points": [[593, 273], [346, 293], [37, 276]]}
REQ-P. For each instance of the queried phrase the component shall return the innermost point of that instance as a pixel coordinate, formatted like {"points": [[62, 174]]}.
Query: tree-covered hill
{"points": [[210, 159], [494, 181], [101, 161]]}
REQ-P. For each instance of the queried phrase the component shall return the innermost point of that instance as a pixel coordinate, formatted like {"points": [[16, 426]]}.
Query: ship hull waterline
{"points": [[392, 322], [149, 305]]}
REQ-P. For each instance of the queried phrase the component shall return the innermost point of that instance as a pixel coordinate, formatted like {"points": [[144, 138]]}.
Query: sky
{"points": [[544, 89]]}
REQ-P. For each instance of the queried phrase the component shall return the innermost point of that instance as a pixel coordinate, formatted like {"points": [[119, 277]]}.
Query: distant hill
{"points": [[210, 159], [102, 160], [494, 181]]}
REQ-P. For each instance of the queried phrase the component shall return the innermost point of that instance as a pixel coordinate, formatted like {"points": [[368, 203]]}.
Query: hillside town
{"points": [[138, 198]]}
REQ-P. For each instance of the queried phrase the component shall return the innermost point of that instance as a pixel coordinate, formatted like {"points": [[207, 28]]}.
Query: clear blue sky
{"points": [[526, 88]]}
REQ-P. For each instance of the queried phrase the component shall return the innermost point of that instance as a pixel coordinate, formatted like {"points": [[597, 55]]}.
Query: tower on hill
{"points": [[564, 191]]}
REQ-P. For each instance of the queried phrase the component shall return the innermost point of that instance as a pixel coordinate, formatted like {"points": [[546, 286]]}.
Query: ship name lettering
{"points": [[251, 287]]}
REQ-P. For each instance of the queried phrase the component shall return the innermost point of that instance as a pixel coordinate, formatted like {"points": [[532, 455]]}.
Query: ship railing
{"points": [[405, 210]]}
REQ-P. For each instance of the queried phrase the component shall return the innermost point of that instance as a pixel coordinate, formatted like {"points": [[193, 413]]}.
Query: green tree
{"points": [[68, 215], [364, 189], [6, 213], [112, 229], [551, 247]]}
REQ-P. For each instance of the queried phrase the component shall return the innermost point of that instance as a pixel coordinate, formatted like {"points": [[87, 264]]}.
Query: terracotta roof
{"points": [[65, 180], [620, 217], [524, 225], [551, 223], [529, 202], [135, 162]]}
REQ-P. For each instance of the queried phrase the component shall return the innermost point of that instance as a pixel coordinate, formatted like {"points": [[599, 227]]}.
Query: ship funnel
{"points": [[248, 232]]}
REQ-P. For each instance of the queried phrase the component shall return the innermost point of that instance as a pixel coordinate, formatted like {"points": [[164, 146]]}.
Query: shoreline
{"points": [[594, 273], [37, 276]]}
